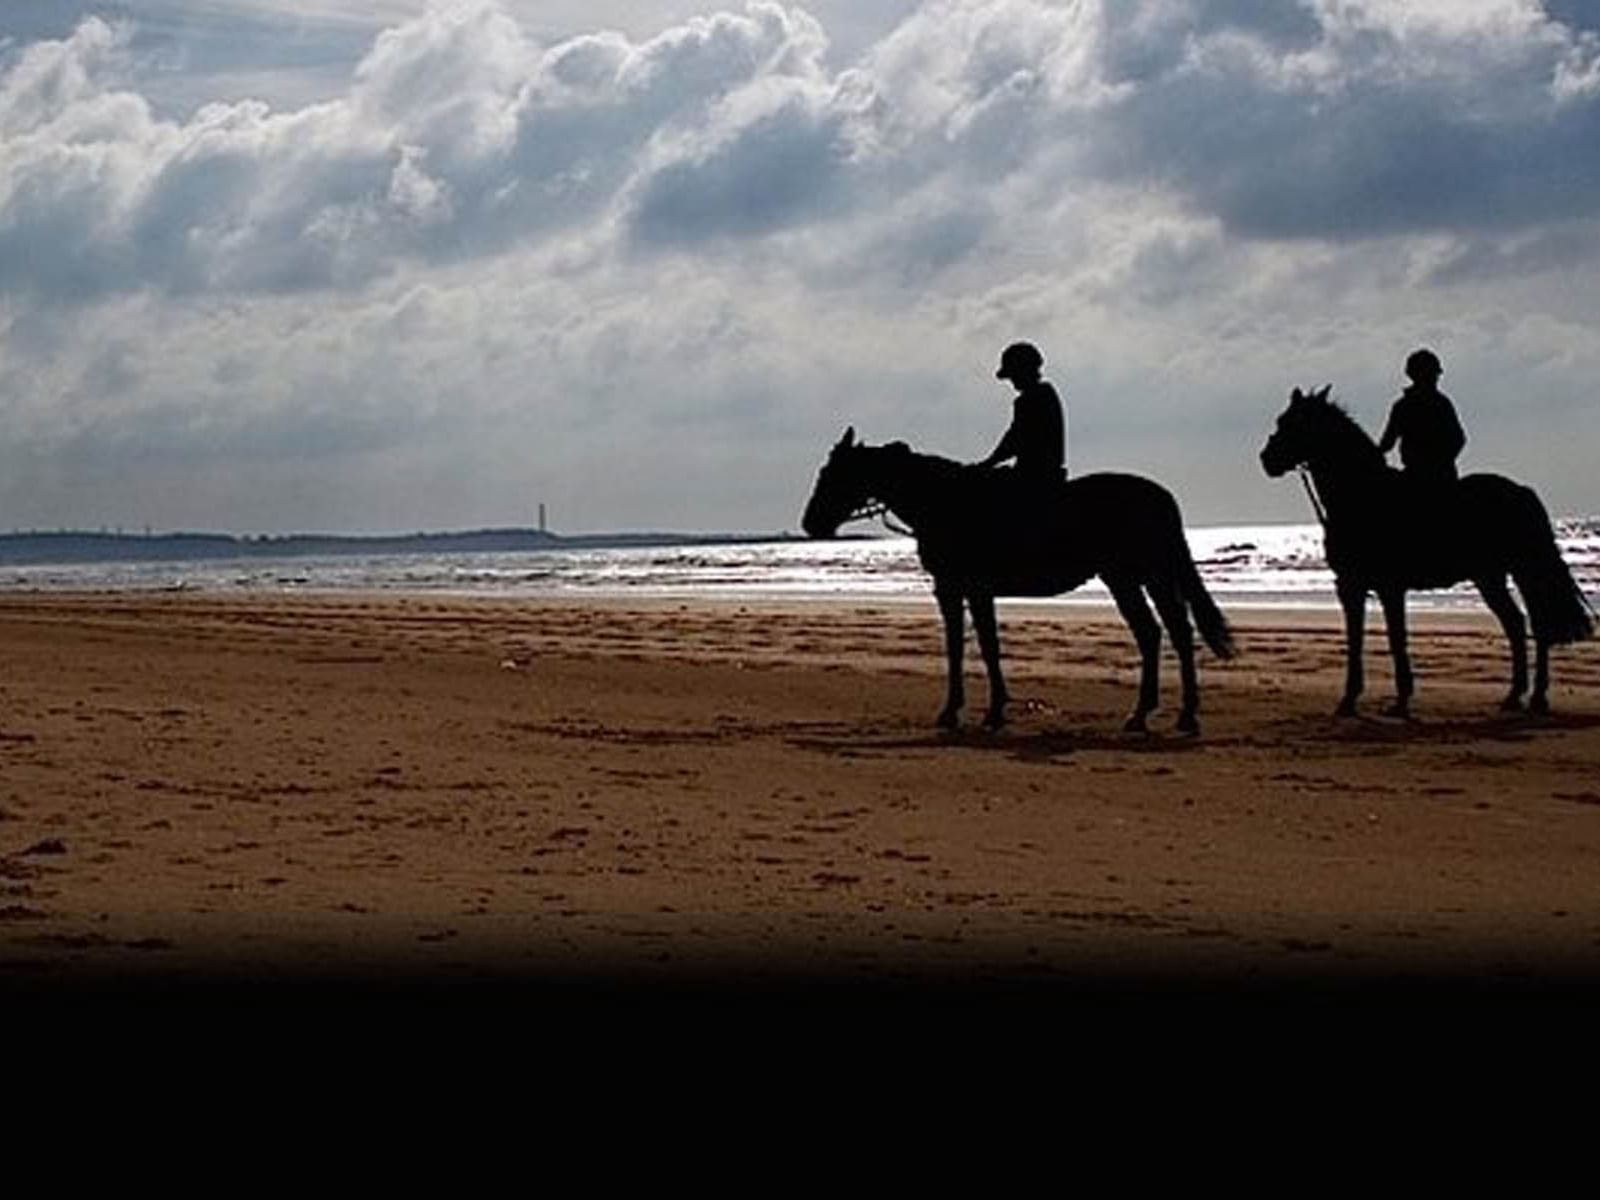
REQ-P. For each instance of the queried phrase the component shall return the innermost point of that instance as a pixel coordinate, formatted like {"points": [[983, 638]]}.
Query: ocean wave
{"points": [[1242, 563]]}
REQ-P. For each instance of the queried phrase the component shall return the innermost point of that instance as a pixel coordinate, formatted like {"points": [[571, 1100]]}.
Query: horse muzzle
{"points": [[819, 525], [1275, 462]]}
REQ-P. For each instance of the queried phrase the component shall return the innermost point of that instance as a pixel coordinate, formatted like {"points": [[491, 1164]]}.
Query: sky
{"points": [[391, 265]]}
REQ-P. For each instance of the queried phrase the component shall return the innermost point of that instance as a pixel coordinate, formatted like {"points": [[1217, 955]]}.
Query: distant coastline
{"points": [[1271, 564], [39, 548]]}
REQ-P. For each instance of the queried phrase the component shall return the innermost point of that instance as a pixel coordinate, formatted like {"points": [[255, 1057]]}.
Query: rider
{"points": [[1037, 438], [1424, 423]]}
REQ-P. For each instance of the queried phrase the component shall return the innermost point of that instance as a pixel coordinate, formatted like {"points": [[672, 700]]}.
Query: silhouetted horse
{"points": [[976, 544], [1383, 535]]}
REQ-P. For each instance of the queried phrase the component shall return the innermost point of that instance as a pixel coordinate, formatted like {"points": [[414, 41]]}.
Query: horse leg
{"points": [[1136, 612], [1175, 616], [1539, 702], [1393, 600], [1353, 599], [1499, 599], [955, 632], [983, 620]]}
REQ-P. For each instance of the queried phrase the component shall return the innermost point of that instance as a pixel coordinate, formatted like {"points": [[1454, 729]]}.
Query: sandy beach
{"points": [[301, 787]]}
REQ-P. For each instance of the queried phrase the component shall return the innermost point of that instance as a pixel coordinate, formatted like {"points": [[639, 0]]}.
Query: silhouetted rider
{"points": [[1037, 438], [1424, 423]]}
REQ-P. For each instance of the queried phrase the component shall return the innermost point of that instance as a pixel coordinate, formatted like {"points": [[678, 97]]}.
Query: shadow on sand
{"points": [[1058, 743], [1423, 731], [1043, 745]]}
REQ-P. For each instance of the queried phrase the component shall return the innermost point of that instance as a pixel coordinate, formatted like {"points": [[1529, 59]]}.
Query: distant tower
{"points": [[541, 517]]}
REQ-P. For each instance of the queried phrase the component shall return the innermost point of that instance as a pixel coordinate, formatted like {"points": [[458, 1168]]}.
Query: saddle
{"points": [[1007, 491], [1020, 534], [1426, 533]]}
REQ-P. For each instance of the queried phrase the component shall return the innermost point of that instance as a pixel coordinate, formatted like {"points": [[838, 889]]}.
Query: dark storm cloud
{"points": [[1286, 24], [1360, 165], [776, 171], [1146, 40], [1374, 130], [1561, 249], [1576, 14]]}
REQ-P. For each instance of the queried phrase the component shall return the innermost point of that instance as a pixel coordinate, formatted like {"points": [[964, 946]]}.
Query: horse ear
{"points": [[1296, 396], [849, 438], [1326, 391]]}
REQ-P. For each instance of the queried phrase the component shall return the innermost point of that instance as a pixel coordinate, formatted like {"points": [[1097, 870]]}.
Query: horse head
{"points": [[849, 485], [1298, 433], [840, 491]]}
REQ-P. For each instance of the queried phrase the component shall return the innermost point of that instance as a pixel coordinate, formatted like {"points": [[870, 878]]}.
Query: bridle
{"points": [[872, 510], [878, 510]]}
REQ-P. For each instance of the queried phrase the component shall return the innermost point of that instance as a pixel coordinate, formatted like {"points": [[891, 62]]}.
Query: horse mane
{"points": [[933, 463], [1345, 426]]}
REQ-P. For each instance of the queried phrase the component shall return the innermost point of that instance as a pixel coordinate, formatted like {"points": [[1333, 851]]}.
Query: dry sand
{"points": [[425, 788]]}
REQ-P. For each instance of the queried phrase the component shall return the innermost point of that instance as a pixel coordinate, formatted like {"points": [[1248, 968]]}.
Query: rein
{"points": [[1311, 492], [878, 509]]}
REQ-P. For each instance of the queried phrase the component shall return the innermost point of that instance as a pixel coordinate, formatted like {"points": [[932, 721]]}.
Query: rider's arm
{"points": [[1006, 448], [1391, 431], [1455, 437]]}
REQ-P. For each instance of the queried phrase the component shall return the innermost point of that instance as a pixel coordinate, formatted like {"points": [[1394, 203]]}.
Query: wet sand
{"points": [[436, 788]]}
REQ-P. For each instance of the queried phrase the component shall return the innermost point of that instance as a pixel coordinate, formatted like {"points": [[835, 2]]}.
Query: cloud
{"points": [[482, 258], [1398, 119], [774, 169], [1575, 14], [496, 138], [458, 135]]}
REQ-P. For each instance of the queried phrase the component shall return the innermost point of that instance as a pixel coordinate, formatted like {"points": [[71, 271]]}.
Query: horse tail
{"points": [[1557, 609], [1208, 618]]}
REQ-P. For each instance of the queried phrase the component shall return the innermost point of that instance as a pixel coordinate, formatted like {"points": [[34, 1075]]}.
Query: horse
{"points": [[1123, 528], [1383, 535]]}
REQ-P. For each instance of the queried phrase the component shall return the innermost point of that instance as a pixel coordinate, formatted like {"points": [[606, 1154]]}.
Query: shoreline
{"points": [[1468, 610], [425, 788]]}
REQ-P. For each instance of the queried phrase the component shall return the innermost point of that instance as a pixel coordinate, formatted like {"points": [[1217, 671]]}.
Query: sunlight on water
{"points": [[1263, 564]]}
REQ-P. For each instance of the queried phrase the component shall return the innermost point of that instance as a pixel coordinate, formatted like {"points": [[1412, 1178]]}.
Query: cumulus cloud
{"points": [[459, 135], [456, 110]]}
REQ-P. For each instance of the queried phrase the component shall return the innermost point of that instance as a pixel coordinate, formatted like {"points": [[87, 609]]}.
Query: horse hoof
{"points": [[1347, 708], [1398, 710], [1188, 725], [994, 721], [1539, 706], [949, 721], [1135, 724], [1511, 704]]}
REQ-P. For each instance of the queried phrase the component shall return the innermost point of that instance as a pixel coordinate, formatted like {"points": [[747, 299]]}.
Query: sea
{"points": [[1266, 565]]}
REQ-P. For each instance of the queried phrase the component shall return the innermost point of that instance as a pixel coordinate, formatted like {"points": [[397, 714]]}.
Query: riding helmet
{"points": [[1423, 364], [1022, 356]]}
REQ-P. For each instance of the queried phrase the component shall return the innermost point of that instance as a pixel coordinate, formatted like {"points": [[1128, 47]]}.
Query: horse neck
{"points": [[909, 485], [1347, 468]]}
